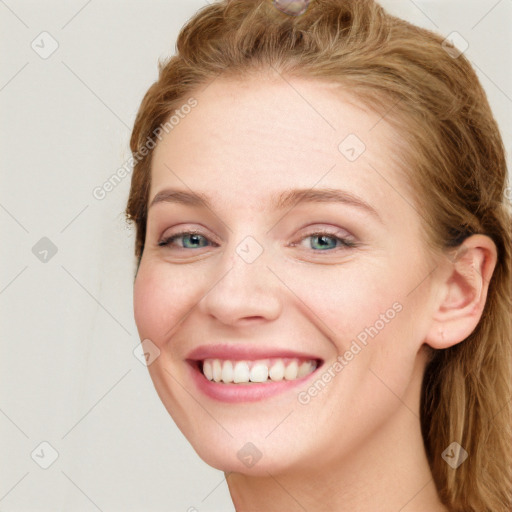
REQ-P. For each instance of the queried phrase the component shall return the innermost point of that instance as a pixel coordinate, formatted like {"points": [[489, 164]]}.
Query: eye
{"points": [[322, 241], [193, 239]]}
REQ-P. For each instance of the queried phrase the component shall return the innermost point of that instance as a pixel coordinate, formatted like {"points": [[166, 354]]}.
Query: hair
{"points": [[454, 162]]}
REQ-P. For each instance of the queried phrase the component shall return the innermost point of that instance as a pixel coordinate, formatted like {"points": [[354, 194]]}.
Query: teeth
{"points": [[216, 370], [265, 370], [259, 373], [208, 370], [290, 372], [303, 369], [227, 371], [241, 373], [276, 371]]}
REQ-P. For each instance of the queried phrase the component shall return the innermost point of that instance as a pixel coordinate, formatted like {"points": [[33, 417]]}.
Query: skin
{"points": [[357, 444]]}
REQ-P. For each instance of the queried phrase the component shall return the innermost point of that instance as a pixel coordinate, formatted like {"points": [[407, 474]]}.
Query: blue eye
{"points": [[195, 239], [327, 241], [321, 241]]}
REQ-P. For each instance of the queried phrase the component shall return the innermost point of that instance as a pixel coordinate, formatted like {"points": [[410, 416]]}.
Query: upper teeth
{"points": [[256, 371]]}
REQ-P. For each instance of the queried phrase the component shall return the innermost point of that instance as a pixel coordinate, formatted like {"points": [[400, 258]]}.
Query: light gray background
{"points": [[68, 374]]}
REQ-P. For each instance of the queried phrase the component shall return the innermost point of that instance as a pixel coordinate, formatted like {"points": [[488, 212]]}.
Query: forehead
{"points": [[246, 141]]}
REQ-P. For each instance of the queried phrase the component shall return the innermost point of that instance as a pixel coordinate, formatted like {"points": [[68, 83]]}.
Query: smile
{"points": [[239, 373], [262, 370]]}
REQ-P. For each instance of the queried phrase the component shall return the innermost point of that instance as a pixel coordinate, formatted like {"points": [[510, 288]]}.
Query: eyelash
{"points": [[345, 242]]}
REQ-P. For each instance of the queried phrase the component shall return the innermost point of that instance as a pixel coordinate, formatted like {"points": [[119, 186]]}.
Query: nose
{"points": [[240, 292]]}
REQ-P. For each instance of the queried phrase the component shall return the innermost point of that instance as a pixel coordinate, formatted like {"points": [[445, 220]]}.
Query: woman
{"points": [[323, 260]]}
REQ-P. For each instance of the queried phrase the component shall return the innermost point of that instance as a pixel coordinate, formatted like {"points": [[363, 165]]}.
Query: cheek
{"points": [[370, 314], [349, 300], [160, 301]]}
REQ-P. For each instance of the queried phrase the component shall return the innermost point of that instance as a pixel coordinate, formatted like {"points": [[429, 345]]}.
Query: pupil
{"points": [[323, 240], [194, 239]]}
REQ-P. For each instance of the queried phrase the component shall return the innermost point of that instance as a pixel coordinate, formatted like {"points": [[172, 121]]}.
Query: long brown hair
{"points": [[452, 157]]}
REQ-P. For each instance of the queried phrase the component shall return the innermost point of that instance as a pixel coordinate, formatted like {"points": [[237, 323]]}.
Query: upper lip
{"points": [[240, 352]]}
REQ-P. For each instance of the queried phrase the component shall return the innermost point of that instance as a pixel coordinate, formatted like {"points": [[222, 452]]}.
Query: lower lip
{"points": [[233, 393]]}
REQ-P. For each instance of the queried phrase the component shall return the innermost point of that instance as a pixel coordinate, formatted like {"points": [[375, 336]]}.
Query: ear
{"points": [[463, 292]]}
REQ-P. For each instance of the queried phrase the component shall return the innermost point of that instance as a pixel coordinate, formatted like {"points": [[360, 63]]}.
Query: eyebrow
{"points": [[284, 200]]}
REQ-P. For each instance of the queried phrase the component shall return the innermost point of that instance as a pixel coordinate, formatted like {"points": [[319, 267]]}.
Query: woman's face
{"points": [[255, 289]]}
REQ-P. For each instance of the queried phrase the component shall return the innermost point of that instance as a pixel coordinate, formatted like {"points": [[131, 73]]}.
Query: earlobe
{"points": [[463, 293]]}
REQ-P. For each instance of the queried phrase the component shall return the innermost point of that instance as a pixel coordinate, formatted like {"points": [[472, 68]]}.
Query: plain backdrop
{"points": [[69, 378]]}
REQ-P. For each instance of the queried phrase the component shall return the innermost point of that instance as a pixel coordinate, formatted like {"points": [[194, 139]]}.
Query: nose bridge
{"points": [[244, 286], [244, 263]]}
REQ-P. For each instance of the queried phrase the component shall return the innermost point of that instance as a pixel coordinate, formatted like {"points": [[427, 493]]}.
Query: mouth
{"points": [[262, 370], [234, 378]]}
